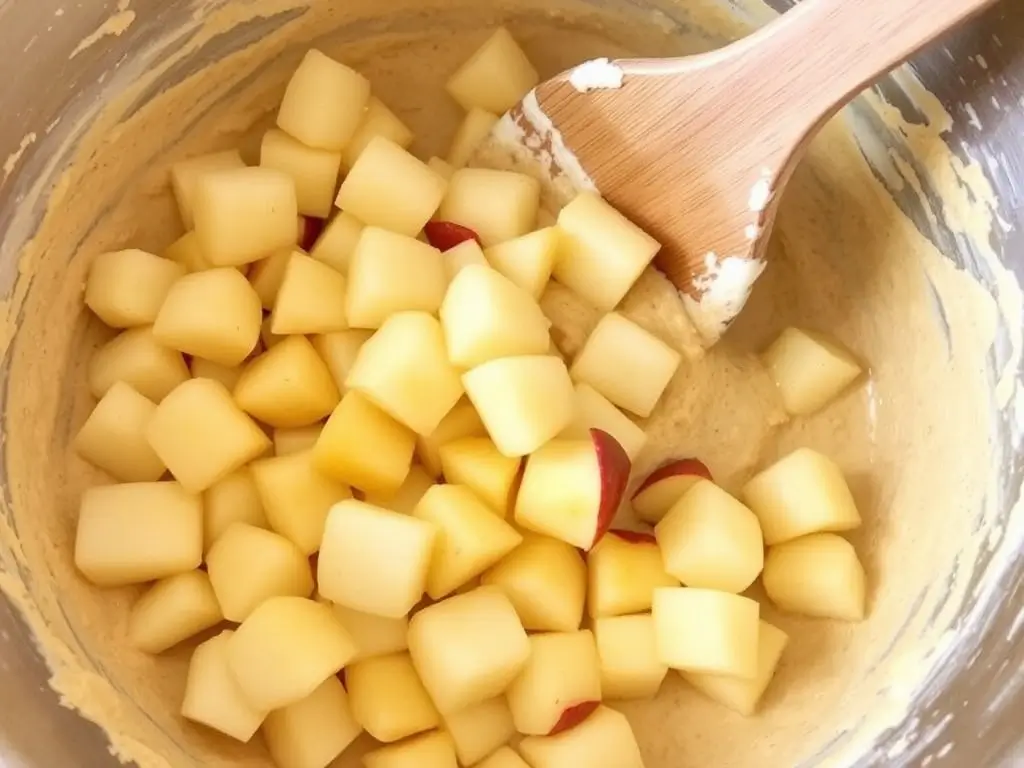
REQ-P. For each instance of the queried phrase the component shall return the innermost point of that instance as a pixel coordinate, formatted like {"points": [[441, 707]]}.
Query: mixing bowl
{"points": [[903, 231]]}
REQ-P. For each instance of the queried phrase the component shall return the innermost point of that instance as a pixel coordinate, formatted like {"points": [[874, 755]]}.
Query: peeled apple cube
{"points": [[603, 740], [311, 298], [479, 730], [213, 698], [736, 693], [285, 649], [287, 386], [405, 499], [126, 288], [116, 545], [594, 411], [461, 421], [323, 103], [139, 360], [470, 537], [626, 364], [628, 652], [314, 171], [817, 575], [339, 350], [244, 214], [468, 649], [233, 499], [214, 314], [336, 243], [312, 732], [373, 635], [113, 438], [546, 581], [471, 131], [404, 370], [362, 446], [560, 684], [523, 401], [266, 276], [378, 120], [709, 539], [528, 260], [505, 757], [601, 252], [802, 493], [390, 188], [172, 610], [486, 316], [497, 205], [476, 463], [809, 369], [185, 175], [202, 436], [207, 369], [703, 630], [624, 569], [431, 750], [495, 77], [388, 699], [461, 256], [186, 252], [666, 485], [374, 560], [296, 439], [391, 273]]}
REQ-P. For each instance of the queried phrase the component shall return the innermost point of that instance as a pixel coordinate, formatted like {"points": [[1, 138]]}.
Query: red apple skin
{"points": [[615, 467], [674, 468], [573, 716], [445, 235], [310, 229], [634, 537]]}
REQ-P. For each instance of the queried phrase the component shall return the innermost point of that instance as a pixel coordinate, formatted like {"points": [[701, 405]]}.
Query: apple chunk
{"points": [[495, 77], [339, 350], [471, 131], [816, 575], [186, 173], [461, 256], [603, 740], [478, 464], [173, 610], [313, 732], [314, 171], [378, 120], [311, 298], [809, 369], [560, 684], [139, 360], [481, 729], [126, 288], [655, 496], [388, 699], [405, 499], [626, 646], [296, 439], [429, 750], [324, 102], [497, 205], [461, 421], [336, 243], [623, 570], [233, 499], [113, 438], [594, 411], [528, 260], [571, 489], [213, 698], [373, 635]]}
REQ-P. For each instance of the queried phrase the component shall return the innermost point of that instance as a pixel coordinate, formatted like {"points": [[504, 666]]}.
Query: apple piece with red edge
{"points": [[571, 489], [665, 486], [623, 571], [310, 229], [573, 716], [444, 235]]}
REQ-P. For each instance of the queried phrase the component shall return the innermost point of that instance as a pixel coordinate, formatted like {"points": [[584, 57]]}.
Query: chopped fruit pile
{"points": [[341, 435]]}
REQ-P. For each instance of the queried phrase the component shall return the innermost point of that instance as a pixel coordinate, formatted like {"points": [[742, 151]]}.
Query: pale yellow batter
{"points": [[913, 438]]}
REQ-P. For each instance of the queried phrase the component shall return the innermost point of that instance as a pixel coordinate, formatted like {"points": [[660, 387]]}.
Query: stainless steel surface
{"points": [[976, 705]]}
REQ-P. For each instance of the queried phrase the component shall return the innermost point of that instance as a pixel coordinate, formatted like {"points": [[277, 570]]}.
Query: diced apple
{"points": [[374, 635], [594, 411], [202, 436], [116, 545], [476, 463], [470, 537], [297, 497], [388, 699], [213, 698], [364, 447], [186, 252], [378, 120], [214, 314], [313, 171], [186, 173], [113, 438], [339, 350], [390, 188], [809, 369], [528, 260], [405, 499], [404, 370], [710, 540], [244, 214], [626, 364], [234, 499], [703, 630], [266, 275], [172, 610], [803, 492], [336, 244], [471, 131], [571, 489], [431, 750], [468, 649], [603, 740], [495, 77], [440, 167], [816, 575], [311, 298], [601, 253], [285, 649], [560, 684], [126, 288], [391, 273], [207, 369], [461, 256], [139, 360], [630, 668], [324, 102], [736, 693], [481, 729], [296, 439], [374, 560], [505, 757], [461, 421], [497, 205], [523, 401], [546, 580], [486, 316], [624, 570], [312, 732], [666, 485]]}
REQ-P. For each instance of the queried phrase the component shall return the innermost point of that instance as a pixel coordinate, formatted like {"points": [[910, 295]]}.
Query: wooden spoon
{"points": [[697, 150]]}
